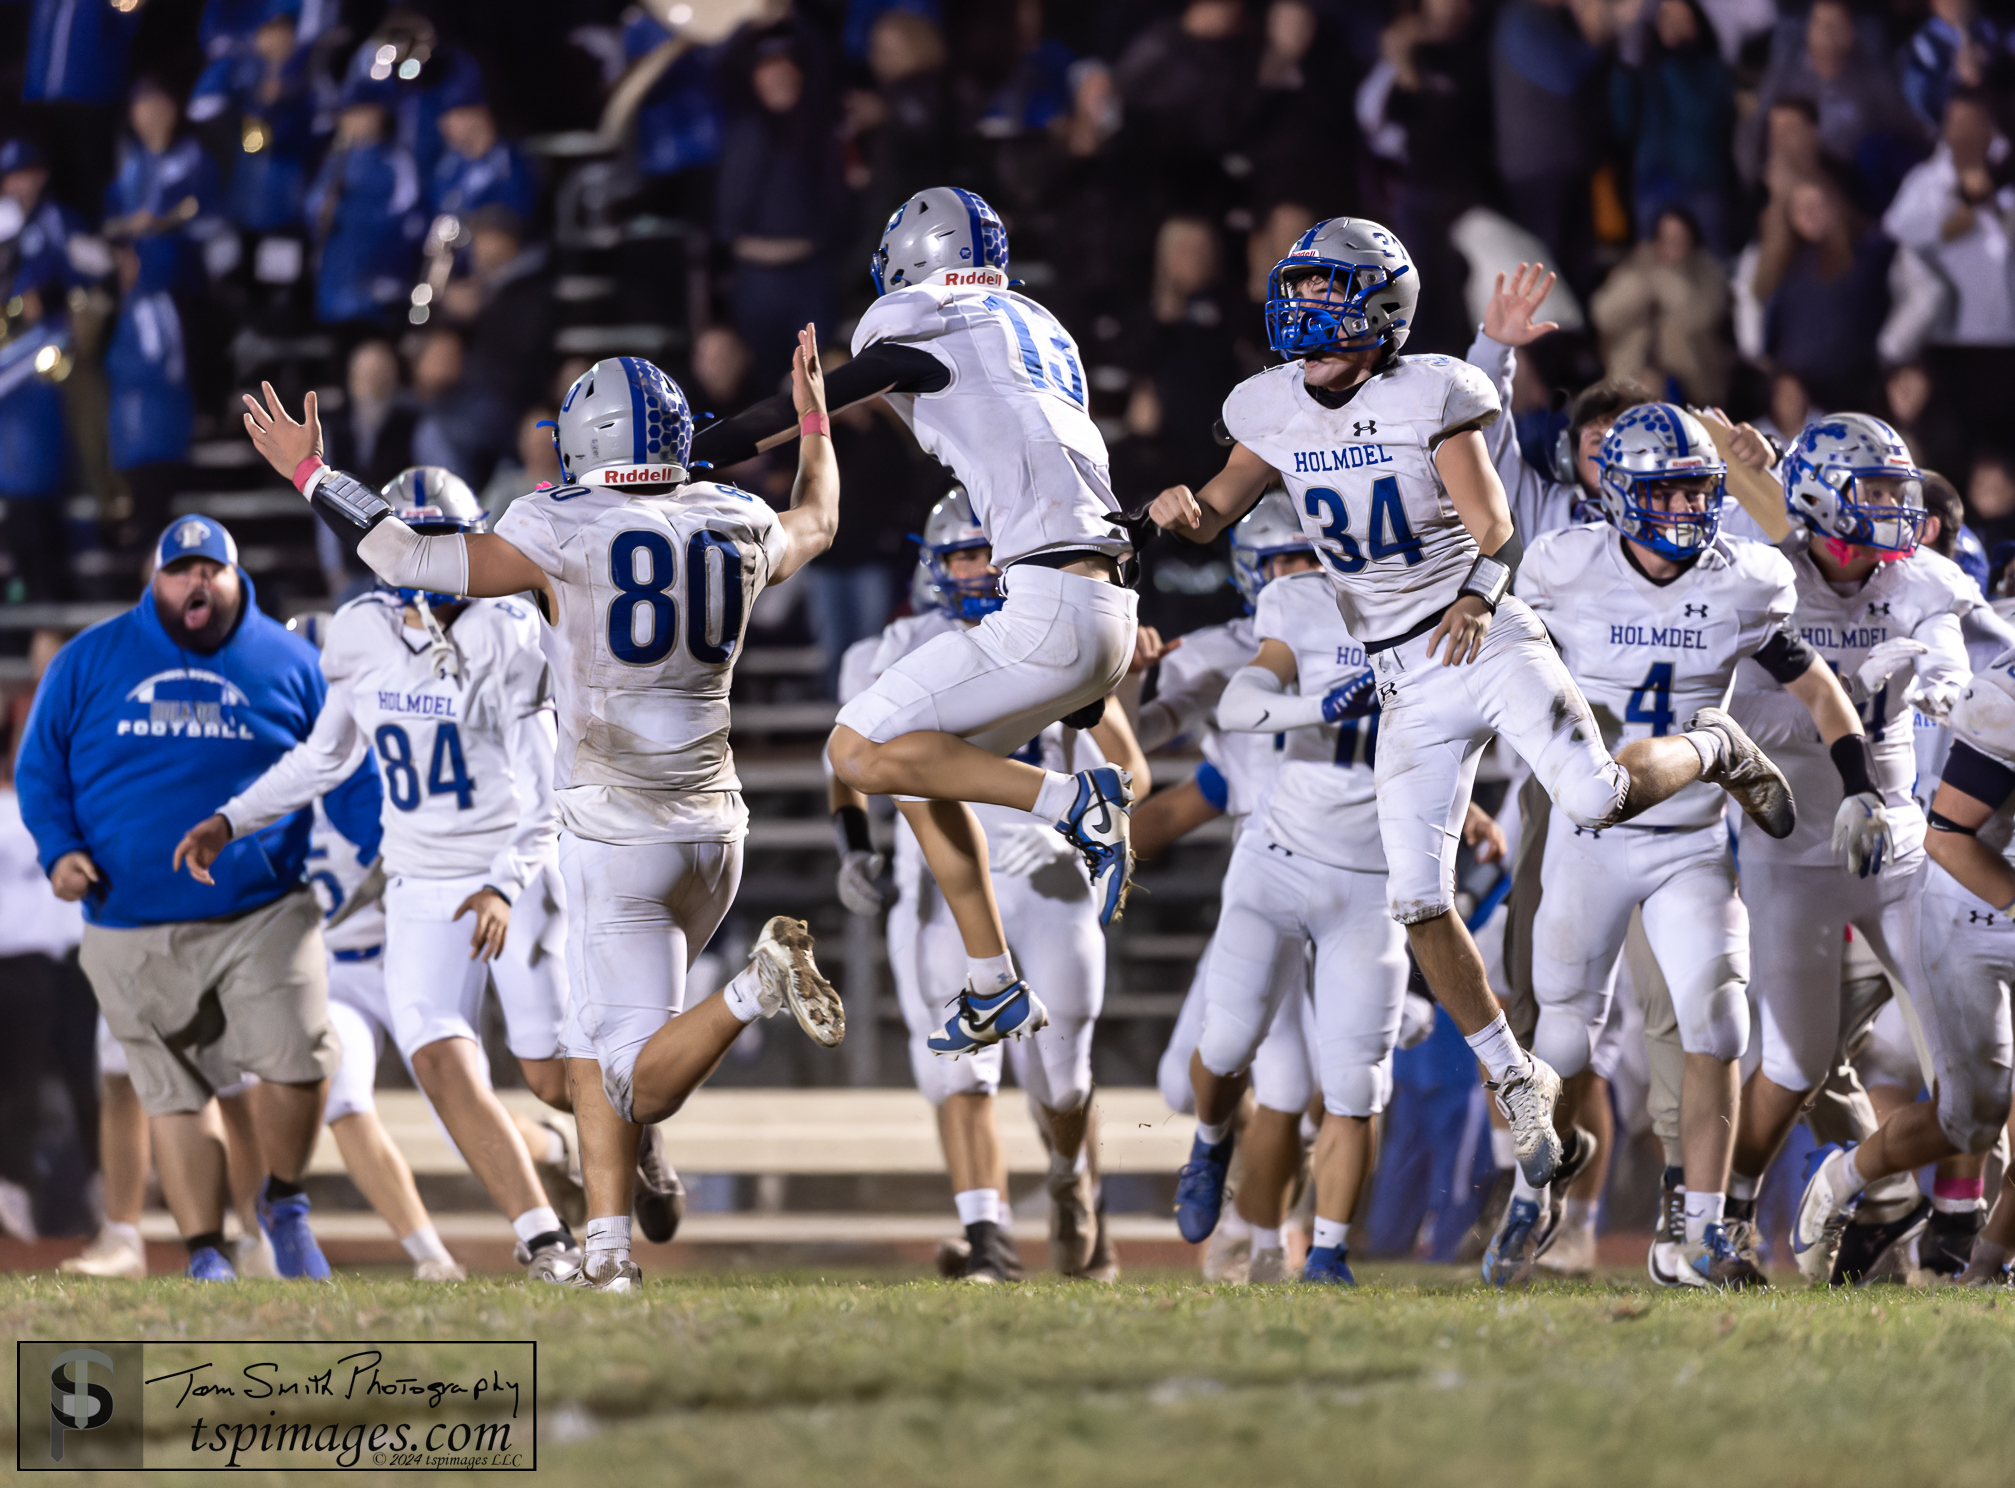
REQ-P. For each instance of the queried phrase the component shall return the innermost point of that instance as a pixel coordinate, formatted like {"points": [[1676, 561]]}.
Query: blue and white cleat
{"points": [[1526, 1097], [1330, 1265], [979, 1021], [285, 1222], [1514, 1249], [1097, 825], [1828, 1202], [1199, 1190], [210, 1264]]}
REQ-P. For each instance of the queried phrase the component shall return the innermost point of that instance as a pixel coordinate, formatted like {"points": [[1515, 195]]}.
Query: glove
{"points": [[1882, 663], [1029, 849], [1352, 699], [1935, 700], [1416, 1021], [1861, 830], [860, 882]]}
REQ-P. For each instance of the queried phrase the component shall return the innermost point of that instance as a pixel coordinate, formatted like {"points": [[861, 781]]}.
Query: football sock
{"points": [[1578, 1214], [214, 1239], [977, 1205], [1708, 745], [279, 1188], [1740, 1209], [1503, 1147], [1265, 1239], [609, 1235], [1331, 1234], [554, 1151], [1702, 1210], [1742, 1186], [1234, 1225], [1056, 796], [1497, 1050], [534, 1223], [1209, 1135], [991, 974], [1520, 1189], [128, 1234], [424, 1244], [744, 995], [1948, 1195]]}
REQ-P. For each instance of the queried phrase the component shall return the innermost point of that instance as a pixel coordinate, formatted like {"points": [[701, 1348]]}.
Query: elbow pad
{"points": [[436, 563]]}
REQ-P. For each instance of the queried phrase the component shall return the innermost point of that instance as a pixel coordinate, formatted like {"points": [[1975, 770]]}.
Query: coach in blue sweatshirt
{"points": [[142, 724]]}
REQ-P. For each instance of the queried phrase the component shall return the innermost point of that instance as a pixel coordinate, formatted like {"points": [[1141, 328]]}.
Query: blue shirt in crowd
{"points": [[502, 177], [33, 445], [77, 51], [366, 200], [152, 413]]}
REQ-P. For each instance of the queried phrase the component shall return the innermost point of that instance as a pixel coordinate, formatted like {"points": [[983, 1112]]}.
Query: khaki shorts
{"points": [[199, 1003]]}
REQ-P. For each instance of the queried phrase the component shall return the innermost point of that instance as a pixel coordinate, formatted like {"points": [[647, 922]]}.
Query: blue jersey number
{"points": [[1390, 536], [1065, 376], [1651, 700], [650, 590], [1327, 508], [1346, 741], [447, 772], [1874, 714]]}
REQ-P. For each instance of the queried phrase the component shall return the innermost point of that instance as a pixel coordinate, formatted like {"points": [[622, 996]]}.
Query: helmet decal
{"points": [[1654, 444]]}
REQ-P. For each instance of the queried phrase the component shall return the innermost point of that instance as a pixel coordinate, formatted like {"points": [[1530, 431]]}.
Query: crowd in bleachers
{"points": [[440, 212]]}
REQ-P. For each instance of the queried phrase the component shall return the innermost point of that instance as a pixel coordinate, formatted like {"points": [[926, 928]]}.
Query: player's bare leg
{"points": [[608, 1143], [1217, 1096], [547, 1079], [933, 765], [189, 1150], [955, 846], [1769, 1111], [385, 1180], [252, 1255], [969, 1135], [1659, 769], [448, 1070]]}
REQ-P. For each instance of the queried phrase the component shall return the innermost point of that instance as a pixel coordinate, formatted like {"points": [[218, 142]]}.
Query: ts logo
{"points": [[76, 1404]]}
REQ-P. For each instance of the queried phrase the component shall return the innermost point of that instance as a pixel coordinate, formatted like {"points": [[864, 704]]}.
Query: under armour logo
{"points": [[1696, 610], [1976, 917], [1387, 691], [1588, 831], [1363, 427], [1879, 609], [192, 533]]}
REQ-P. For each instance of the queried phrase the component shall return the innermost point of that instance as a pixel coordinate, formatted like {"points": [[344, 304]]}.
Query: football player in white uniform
{"points": [[452, 699], [991, 386], [1391, 478], [1653, 611], [645, 578], [1876, 606], [1046, 908]]}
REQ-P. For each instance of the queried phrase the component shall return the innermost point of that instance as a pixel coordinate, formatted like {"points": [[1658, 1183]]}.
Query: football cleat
{"points": [[1987, 1266], [978, 1021], [1515, 1248], [1865, 1247], [253, 1259], [285, 1222], [608, 1272], [108, 1255], [1228, 1256], [1716, 1263], [1469, 1250], [661, 1197], [207, 1263], [1577, 1152], [562, 1182], [1098, 826], [1947, 1242], [1329, 1265], [1073, 1230], [1747, 774], [1662, 1260], [554, 1256], [1199, 1189], [1104, 1262], [1743, 1235], [991, 1257], [1571, 1251], [951, 1258], [435, 1269], [1824, 1207], [782, 959], [1267, 1266], [1527, 1099]]}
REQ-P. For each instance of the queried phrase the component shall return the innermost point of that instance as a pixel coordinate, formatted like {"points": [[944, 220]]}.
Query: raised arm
{"points": [[1256, 699], [1200, 516], [814, 515], [885, 367]]}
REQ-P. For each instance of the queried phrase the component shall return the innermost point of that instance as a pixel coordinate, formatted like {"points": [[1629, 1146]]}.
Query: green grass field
{"points": [[1417, 1378]]}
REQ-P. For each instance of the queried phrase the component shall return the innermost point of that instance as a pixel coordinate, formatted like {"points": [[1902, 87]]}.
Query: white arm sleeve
{"points": [[1945, 663], [1169, 718], [534, 740], [399, 555], [314, 767], [1256, 702]]}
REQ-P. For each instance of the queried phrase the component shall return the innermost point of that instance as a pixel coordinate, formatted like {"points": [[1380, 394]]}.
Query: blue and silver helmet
{"points": [[624, 423], [1371, 287], [944, 235], [1850, 477], [1267, 531], [953, 528], [433, 501], [1652, 445]]}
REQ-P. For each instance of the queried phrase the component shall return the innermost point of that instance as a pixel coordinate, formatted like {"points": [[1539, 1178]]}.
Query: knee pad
{"points": [[1716, 1024], [1973, 1112], [1564, 1040], [938, 1080], [1357, 1089], [1594, 801], [1228, 1042], [1172, 1075]]}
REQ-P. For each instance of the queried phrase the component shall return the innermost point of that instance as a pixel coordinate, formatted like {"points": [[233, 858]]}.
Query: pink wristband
{"points": [[814, 423], [304, 471]]}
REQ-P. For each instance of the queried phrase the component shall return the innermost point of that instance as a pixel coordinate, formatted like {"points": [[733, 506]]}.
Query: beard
{"points": [[202, 623]]}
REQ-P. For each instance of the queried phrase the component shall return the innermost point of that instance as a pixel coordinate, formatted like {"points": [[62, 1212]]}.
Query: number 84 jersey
{"points": [[1648, 656]]}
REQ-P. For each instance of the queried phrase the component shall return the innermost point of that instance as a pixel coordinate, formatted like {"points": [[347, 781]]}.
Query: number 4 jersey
{"points": [[1649, 656], [654, 592], [1362, 479]]}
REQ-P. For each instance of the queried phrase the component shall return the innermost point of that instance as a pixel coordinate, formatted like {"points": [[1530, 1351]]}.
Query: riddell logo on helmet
{"points": [[634, 475], [991, 278]]}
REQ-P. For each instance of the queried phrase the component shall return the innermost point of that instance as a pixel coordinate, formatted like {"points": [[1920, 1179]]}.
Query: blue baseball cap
{"points": [[195, 537], [19, 155]]}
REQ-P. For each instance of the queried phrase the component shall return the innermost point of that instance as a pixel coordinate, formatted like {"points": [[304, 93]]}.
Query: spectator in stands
{"points": [[1303, 72], [369, 433], [1661, 311], [478, 168], [504, 305], [75, 79], [152, 412], [780, 200], [40, 266], [363, 214], [419, 76], [464, 424], [256, 96], [166, 185], [1826, 295], [1990, 497], [1676, 112], [679, 124], [1187, 85], [903, 124], [1183, 355], [536, 462], [1956, 47], [1544, 75], [721, 372], [34, 450], [141, 726]]}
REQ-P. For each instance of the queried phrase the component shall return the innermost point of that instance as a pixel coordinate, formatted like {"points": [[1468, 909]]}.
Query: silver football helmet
{"points": [[624, 423], [943, 235], [1370, 283], [1266, 531], [952, 527], [1653, 445], [1849, 476], [433, 501]]}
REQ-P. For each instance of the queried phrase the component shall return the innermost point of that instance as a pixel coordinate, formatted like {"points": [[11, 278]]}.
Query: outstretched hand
{"points": [[276, 435], [1507, 319], [200, 846], [808, 380]]}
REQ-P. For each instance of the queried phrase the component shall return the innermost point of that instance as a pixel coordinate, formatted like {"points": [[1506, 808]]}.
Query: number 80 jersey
{"points": [[654, 593]]}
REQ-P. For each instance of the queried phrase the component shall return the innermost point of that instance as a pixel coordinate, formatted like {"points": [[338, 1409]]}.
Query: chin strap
{"points": [[441, 652]]}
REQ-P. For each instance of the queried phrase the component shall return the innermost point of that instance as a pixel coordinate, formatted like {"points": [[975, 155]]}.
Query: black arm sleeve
{"points": [[1785, 656], [1987, 781], [886, 366]]}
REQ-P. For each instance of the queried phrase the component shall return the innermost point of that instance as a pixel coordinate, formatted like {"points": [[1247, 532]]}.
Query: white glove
{"points": [[860, 882], [1861, 829], [1416, 1020], [1882, 663], [1935, 700], [1029, 849]]}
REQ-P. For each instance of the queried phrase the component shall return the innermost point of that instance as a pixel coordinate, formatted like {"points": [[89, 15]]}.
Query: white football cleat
{"points": [[252, 1256], [109, 1255], [605, 1272], [782, 961], [1267, 1266], [1227, 1256], [1527, 1099], [1824, 1208], [435, 1269]]}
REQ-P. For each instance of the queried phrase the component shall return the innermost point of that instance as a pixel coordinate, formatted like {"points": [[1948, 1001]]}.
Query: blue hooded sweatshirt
{"points": [[133, 740]]}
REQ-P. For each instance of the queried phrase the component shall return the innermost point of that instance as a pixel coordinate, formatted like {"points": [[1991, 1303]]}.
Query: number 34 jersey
{"points": [[654, 591], [1363, 481], [1649, 656]]}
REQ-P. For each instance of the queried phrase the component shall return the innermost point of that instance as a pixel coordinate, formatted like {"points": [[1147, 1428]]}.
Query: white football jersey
{"points": [[1363, 481], [1322, 804], [1984, 718], [334, 874], [1649, 656], [1921, 597], [1986, 635], [465, 763], [654, 595], [1188, 684], [1012, 423]]}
